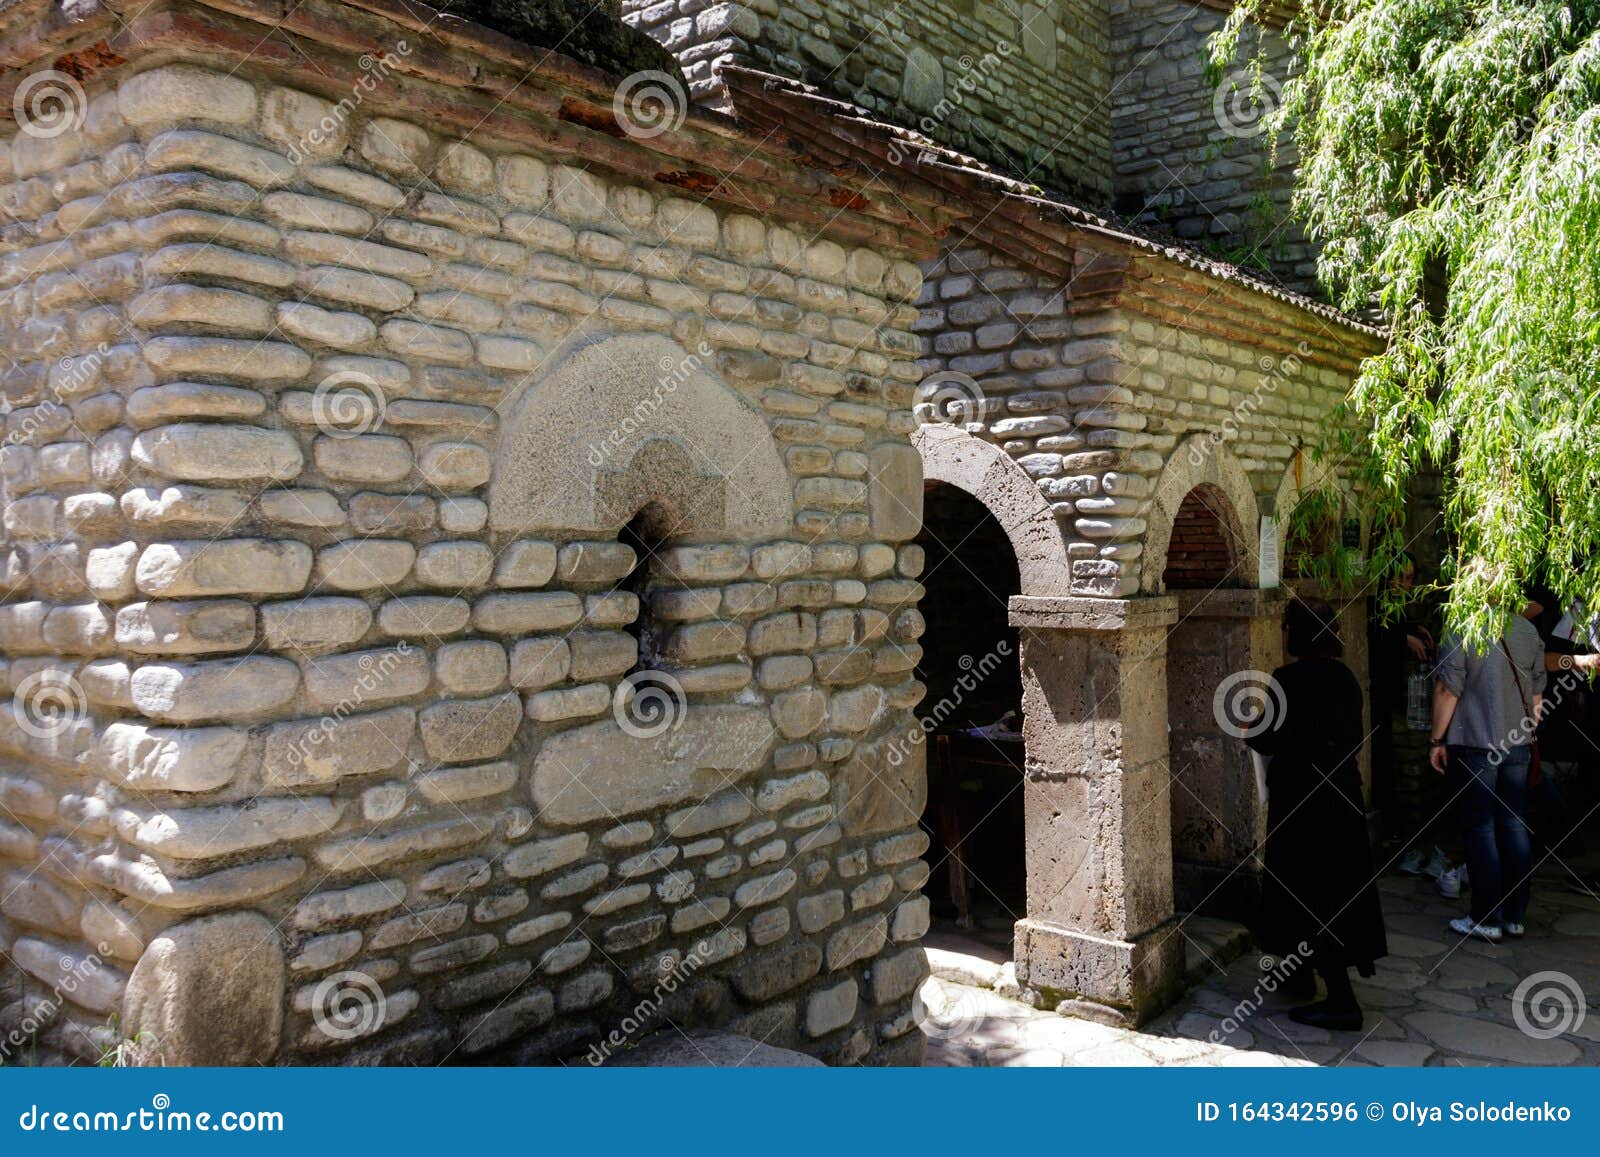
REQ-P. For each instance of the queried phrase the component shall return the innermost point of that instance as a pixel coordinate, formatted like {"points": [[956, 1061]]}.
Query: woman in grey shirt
{"points": [[1486, 706]]}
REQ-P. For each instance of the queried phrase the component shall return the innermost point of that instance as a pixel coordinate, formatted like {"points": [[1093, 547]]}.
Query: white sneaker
{"points": [[1515, 931], [1451, 881], [1411, 862], [1435, 867], [1464, 926]]}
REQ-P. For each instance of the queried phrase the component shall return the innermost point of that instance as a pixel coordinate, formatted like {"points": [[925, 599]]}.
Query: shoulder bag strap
{"points": [[1522, 694], [1535, 764]]}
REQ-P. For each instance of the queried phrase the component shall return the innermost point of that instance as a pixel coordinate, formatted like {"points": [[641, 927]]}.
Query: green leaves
{"points": [[1451, 173]]}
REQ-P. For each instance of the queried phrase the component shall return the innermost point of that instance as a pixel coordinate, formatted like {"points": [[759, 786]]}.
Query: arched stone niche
{"points": [[990, 475], [1305, 475], [636, 420], [1200, 461]]}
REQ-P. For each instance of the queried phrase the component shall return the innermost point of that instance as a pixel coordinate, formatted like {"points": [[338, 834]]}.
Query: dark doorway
{"points": [[972, 716]]}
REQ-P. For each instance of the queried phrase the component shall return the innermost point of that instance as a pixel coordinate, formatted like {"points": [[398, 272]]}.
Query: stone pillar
{"points": [[1099, 938], [1218, 821]]}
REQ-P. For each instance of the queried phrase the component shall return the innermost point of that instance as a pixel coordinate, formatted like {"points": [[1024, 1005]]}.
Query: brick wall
{"points": [[1200, 555]]}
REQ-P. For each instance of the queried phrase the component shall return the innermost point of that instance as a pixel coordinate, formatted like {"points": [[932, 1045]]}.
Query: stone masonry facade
{"points": [[1106, 102], [459, 591], [1018, 84], [1098, 405], [1085, 384], [1193, 158], [320, 624]]}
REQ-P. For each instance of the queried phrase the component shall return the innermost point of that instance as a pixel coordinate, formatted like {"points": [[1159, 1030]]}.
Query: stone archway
{"points": [[1199, 461], [1305, 476], [988, 535], [990, 475], [1097, 937], [974, 811], [1302, 476], [627, 427]]}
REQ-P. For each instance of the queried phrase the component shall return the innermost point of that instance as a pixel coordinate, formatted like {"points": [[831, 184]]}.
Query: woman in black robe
{"points": [[1320, 892]]}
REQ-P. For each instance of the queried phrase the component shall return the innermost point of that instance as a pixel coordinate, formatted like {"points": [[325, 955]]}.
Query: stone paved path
{"points": [[1436, 1000]]}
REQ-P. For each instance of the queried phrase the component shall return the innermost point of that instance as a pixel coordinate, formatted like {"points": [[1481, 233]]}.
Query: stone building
{"points": [[1130, 416], [460, 548]]}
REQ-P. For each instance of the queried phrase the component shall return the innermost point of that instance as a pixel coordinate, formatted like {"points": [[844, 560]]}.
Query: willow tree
{"points": [[1450, 171]]}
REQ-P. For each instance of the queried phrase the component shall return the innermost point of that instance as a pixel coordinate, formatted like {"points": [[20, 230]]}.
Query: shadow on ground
{"points": [[1436, 1000]]}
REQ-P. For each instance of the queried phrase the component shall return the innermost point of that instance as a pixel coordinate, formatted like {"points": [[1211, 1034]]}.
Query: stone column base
{"points": [[1116, 982]]}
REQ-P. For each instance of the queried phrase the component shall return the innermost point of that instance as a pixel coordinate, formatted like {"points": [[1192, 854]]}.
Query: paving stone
{"points": [[1495, 1042]]}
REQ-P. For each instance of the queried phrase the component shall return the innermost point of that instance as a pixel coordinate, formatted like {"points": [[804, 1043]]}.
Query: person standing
{"points": [[1569, 726], [1319, 890], [1486, 707]]}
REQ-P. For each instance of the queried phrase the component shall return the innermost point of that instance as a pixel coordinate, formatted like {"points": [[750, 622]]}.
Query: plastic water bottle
{"points": [[1419, 702]]}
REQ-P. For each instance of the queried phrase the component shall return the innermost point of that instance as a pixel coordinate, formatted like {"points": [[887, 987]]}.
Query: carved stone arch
{"points": [[990, 475], [1200, 461], [632, 421]]}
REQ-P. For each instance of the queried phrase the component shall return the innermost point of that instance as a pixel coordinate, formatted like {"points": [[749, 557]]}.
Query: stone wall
{"points": [[1191, 156], [1116, 413], [1021, 85], [327, 666]]}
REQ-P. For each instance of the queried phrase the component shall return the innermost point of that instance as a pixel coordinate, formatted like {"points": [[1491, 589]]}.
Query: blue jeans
{"points": [[1494, 801]]}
